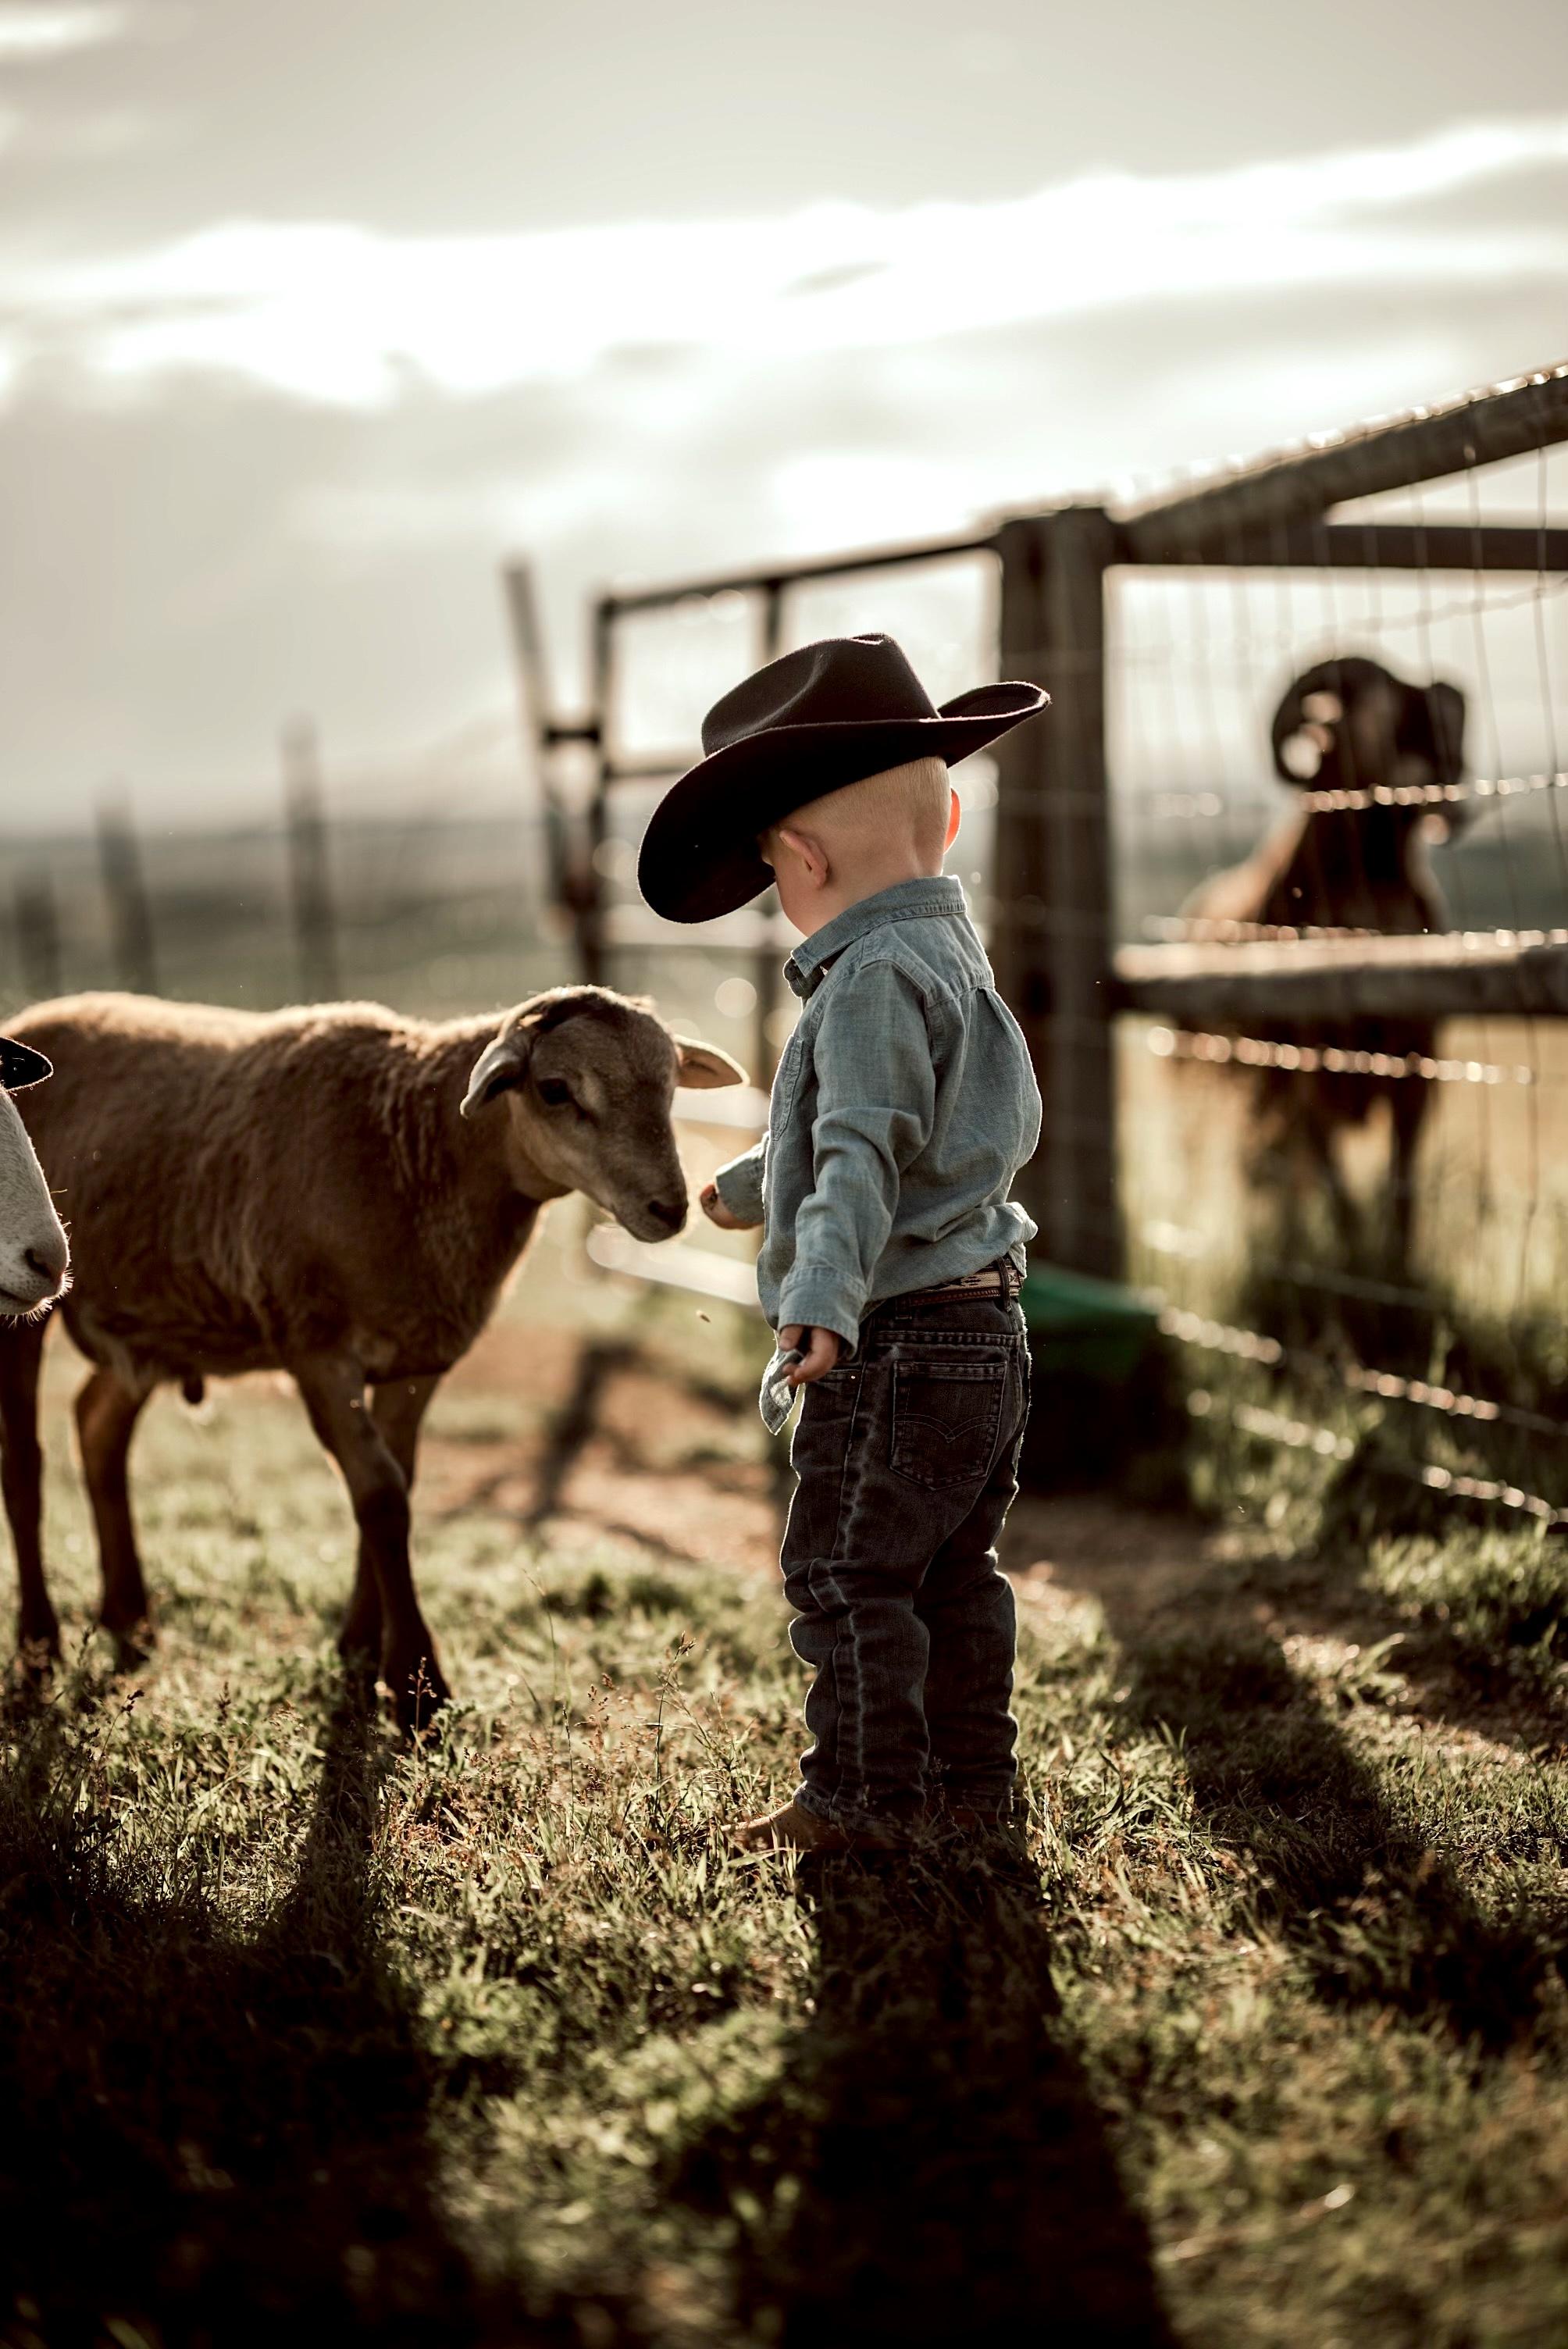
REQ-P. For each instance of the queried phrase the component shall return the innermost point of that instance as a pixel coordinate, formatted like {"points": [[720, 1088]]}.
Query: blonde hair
{"points": [[912, 800]]}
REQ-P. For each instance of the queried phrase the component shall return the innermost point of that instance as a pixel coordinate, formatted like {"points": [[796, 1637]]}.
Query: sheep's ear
{"points": [[20, 1065], [702, 1066], [502, 1064]]}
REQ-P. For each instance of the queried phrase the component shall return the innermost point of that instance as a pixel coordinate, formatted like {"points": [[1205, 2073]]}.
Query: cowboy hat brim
{"points": [[699, 856], [20, 1065]]}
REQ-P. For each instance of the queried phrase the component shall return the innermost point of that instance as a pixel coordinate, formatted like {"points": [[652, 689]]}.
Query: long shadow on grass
{"points": [[932, 2168], [209, 2139], [1374, 1908]]}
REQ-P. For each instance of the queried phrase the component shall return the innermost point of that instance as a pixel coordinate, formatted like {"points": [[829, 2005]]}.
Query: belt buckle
{"points": [[986, 1283]]}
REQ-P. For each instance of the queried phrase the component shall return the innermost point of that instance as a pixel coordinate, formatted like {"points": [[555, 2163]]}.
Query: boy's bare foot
{"points": [[801, 1830]]}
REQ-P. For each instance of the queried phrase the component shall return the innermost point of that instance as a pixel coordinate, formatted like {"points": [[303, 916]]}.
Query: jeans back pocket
{"points": [[947, 1415]]}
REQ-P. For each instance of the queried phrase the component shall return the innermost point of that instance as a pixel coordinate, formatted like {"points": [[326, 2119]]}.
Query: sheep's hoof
{"points": [[133, 1642], [37, 1653], [418, 1693]]}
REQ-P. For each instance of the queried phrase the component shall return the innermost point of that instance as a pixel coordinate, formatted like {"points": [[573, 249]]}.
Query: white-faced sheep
{"points": [[1350, 726], [335, 1192]]}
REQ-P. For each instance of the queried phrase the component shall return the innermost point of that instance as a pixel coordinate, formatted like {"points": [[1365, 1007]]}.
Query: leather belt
{"points": [[993, 1281]]}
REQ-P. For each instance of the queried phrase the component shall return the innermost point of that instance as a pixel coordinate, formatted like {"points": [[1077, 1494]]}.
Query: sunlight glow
{"points": [[52, 32], [339, 314]]}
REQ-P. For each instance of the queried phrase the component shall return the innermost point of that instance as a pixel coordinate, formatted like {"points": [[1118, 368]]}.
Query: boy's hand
{"points": [[715, 1211], [820, 1350]]}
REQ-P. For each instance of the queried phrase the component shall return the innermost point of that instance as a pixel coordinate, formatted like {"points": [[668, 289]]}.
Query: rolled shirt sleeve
{"points": [[876, 1101], [740, 1185]]}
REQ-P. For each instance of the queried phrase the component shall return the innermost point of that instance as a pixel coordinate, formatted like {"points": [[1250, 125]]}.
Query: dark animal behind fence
{"points": [[1349, 726]]}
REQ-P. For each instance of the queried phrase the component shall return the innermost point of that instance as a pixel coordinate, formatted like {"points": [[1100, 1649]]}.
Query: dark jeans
{"points": [[907, 1459]]}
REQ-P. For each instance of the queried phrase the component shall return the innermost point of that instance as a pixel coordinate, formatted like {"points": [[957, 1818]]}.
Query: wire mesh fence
{"points": [[1278, 890], [1305, 766], [435, 913], [1367, 1211], [421, 880]]}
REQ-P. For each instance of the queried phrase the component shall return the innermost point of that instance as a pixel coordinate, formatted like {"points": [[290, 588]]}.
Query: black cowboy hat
{"points": [[828, 715], [20, 1065]]}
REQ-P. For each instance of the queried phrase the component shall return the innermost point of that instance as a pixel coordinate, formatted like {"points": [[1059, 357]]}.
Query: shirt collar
{"points": [[906, 901]]}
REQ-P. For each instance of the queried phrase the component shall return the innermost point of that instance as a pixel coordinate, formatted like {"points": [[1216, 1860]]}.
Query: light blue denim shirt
{"points": [[903, 1107]]}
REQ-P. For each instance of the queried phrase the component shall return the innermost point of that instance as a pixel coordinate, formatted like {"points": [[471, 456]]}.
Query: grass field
{"points": [[492, 2040]]}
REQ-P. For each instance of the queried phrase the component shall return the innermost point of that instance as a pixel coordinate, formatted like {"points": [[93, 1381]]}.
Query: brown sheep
{"points": [[1349, 725], [338, 1193]]}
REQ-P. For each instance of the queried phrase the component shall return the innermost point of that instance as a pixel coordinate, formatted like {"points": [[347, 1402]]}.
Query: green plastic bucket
{"points": [[1086, 1328]]}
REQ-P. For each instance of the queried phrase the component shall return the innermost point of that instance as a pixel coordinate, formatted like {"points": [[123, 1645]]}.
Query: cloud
{"points": [[180, 573], [340, 315], [273, 466], [35, 34], [102, 135]]}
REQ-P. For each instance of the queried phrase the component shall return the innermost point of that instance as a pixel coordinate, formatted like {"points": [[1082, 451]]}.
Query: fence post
{"points": [[544, 810], [1054, 929], [125, 886], [310, 886], [38, 935], [587, 887], [565, 837]]}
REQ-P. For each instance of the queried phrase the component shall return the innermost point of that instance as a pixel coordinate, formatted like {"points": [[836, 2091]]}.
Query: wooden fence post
{"points": [[125, 886], [38, 935], [310, 885], [570, 880], [543, 809], [1054, 931], [587, 899]]}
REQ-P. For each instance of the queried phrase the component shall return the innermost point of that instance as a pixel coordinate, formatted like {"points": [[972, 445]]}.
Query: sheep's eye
{"points": [[553, 1093]]}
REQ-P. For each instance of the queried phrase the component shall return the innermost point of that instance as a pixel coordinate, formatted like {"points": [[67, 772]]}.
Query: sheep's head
{"points": [[34, 1256], [587, 1079], [1351, 725]]}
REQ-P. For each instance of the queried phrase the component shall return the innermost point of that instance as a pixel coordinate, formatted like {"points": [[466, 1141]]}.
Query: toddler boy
{"points": [[902, 1108]]}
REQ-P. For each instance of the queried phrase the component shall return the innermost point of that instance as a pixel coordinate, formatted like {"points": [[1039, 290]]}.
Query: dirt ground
{"points": [[630, 1456], [611, 1449], [606, 1448]]}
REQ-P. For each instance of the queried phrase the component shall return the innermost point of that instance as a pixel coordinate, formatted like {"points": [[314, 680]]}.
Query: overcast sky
{"points": [[310, 313]]}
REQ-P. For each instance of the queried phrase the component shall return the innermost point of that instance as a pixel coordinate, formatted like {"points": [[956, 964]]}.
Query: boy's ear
{"points": [[954, 817], [806, 850], [705, 1066]]}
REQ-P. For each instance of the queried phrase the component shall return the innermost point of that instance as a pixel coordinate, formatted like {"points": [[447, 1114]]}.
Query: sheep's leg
{"points": [[106, 1413], [398, 1408], [333, 1386], [1342, 1202], [22, 1478], [1322, 1162]]}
